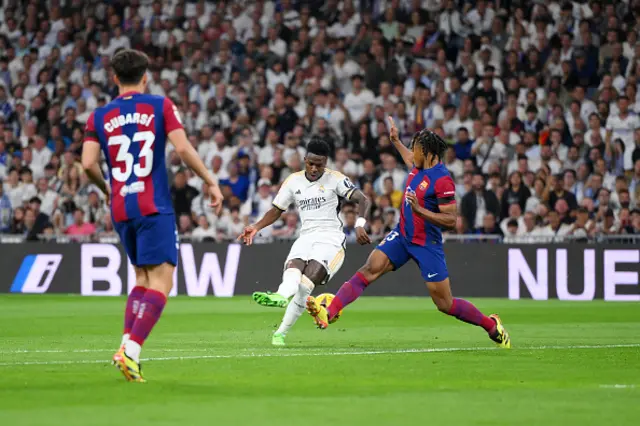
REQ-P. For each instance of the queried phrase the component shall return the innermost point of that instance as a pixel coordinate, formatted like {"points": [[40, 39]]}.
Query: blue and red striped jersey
{"points": [[132, 132], [433, 188]]}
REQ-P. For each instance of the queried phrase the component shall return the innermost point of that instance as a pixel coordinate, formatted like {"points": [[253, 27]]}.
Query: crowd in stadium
{"points": [[537, 99]]}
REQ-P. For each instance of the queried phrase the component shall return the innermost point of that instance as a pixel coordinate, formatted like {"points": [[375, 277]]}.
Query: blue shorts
{"points": [[150, 240], [430, 259]]}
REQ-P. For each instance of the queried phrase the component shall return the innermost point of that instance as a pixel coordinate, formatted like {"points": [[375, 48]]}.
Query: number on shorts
{"points": [[392, 236], [122, 174]]}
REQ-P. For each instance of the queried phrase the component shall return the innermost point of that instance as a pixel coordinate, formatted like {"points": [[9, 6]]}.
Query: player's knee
{"points": [[442, 303], [306, 284], [315, 272], [142, 280], [298, 264], [372, 270]]}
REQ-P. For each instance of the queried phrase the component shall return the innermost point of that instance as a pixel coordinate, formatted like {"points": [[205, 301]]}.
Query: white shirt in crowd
{"points": [[201, 233], [624, 129], [48, 201], [493, 154], [356, 104]]}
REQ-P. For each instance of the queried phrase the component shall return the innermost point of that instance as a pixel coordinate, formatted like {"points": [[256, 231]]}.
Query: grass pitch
{"points": [[388, 361]]}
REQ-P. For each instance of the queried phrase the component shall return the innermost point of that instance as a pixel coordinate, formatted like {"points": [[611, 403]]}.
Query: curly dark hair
{"points": [[430, 143]]}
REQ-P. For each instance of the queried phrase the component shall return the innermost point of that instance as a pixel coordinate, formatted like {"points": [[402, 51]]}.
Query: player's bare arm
{"points": [[250, 231], [445, 219], [405, 152], [364, 205], [190, 156], [91, 166]]}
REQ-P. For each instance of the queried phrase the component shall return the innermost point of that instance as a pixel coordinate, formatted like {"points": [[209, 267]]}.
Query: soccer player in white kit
{"points": [[320, 250]]}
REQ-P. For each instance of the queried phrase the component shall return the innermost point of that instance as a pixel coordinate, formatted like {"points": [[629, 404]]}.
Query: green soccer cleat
{"points": [[273, 300], [277, 339]]}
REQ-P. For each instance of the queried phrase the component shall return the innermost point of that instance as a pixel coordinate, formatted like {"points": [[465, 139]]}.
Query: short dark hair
{"points": [[130, 66], [318, 146]]}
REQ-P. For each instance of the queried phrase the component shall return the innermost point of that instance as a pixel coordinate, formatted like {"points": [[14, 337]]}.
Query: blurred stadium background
{"points": [[538, 100]]}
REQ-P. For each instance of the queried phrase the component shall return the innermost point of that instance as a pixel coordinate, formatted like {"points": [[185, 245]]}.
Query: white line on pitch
{"points": [[618, 386], [79, 351], [325, 353]]}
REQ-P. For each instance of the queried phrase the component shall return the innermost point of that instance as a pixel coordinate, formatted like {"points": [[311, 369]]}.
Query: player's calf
{"points": [[461, 309], [295, 308], [377, 265], [151, 308]]}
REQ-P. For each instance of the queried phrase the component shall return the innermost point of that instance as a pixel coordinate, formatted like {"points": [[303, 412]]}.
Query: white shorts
{"points": [[326, 248]]}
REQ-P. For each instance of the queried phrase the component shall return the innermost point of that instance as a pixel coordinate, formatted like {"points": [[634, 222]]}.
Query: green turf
{"points": [[230, 374]]}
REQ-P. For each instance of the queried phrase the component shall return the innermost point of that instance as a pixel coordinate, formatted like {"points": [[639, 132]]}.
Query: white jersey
{"points": [[623, 129], [317, 202]]}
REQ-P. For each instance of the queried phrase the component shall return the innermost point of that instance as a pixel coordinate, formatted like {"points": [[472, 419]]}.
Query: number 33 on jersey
{"points": [[132, 132]]}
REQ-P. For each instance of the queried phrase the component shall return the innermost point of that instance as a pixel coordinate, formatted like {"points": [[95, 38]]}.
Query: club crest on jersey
{"points": [[424, 185], [321, 188]]}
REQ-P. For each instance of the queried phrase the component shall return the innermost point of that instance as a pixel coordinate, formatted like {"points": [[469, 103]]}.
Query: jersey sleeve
{"points": [[172, 119], [284, 197], [344, 187], [445, 191], [90, 134]]}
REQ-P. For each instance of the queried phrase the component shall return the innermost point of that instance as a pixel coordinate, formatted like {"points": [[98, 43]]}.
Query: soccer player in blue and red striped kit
{"points": [[132, 131], [428, 206]]}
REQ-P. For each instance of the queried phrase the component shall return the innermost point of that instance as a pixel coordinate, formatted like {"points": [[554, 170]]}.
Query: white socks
{"points": [[132, 349], [297, 306], [125, 338], [290, 280]]}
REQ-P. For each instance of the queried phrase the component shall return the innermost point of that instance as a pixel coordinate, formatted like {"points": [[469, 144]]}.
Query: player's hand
{"points": [[216, 198], [393, 130], [107, 197], [413, 201], [247, 234], [362, 237]]}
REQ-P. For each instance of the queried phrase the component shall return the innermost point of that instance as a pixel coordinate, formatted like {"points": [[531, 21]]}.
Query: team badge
{"points": [[321, 188], [424, 185]]}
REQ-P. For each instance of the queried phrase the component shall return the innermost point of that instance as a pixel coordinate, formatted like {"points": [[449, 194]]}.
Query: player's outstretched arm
{"points": [[364, 205], [189, 155], [445, 219], [405, 152], [268, 219]]}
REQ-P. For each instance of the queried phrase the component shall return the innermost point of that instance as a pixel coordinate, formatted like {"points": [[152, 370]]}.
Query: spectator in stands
{"points": [[516, 193], [463, 144], [182, 194], [80, 228], [486, 78], [231, 225], [204, 232], [489, 226], [557, 191], [477, 203], [185, 224], [554, 228], [239, 184], [514, 215], [5, 210]]}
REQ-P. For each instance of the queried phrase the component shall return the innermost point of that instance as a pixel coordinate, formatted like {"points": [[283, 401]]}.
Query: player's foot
{"points": [[130, 369], [501, 335], [278, 339], [318, 312], [270, 299]]}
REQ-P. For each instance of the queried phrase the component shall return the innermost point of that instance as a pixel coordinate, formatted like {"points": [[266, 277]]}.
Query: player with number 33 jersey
{"points": [[132, 132]]}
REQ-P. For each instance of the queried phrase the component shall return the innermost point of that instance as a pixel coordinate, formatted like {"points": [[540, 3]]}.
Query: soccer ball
{"points": [[325, 300]]}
